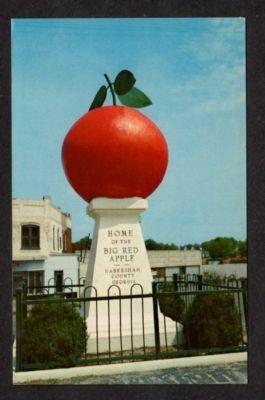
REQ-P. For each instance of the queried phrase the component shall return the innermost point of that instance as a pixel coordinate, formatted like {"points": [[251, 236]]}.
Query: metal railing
{"points": [[179, 293]]}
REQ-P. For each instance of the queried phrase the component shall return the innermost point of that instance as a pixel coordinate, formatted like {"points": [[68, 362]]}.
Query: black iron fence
{"points": [[190, 315]]}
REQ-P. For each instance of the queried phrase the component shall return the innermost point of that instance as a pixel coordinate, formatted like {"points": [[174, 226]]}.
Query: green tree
{"points": [[153, 245], [221, 247], [242, 248], [82, 244]]}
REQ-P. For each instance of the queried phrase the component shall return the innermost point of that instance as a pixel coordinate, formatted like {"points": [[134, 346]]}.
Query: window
{"points": [[64, 242], [58, 242], [18, 279], [193, 269], [30, 237], [53, 238], [35, 282], [58, 277], [182, 270]]}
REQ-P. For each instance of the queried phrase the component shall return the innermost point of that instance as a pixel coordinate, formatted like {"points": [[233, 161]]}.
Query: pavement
{"points": [[212, 369], [235, 373]]}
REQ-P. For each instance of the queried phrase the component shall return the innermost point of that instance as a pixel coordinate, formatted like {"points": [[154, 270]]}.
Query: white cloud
{"points": [[221, 105], [212, 73], [221, 89], [219, 85], [229, 25]]}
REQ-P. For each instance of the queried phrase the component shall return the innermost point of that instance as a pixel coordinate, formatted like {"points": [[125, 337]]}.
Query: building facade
{"points": [[40, 229], [170, 262], [42, 248], [238, 270]]}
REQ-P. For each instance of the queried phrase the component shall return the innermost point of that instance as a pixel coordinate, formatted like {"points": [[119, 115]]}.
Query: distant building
{"points": [[239, 270], [42, 243], [169, 262]]}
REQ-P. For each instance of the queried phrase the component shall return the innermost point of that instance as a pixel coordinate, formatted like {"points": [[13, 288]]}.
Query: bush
{"points": [[53, 332], [171, 306], [212, 320]]}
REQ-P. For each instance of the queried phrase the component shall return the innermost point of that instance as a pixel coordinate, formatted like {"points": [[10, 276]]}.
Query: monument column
{"points": [[118, 255], [118, 265]]}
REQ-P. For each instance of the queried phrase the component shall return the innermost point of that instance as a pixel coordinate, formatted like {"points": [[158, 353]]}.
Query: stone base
{"points": [[171, 337], [119, 265]]}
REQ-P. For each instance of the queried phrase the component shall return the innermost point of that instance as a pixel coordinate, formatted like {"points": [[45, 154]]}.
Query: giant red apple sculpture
{"points": [[115, 151]]}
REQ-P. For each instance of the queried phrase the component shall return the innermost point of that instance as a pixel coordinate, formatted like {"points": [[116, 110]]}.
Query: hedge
{"points": [[53, 332]]}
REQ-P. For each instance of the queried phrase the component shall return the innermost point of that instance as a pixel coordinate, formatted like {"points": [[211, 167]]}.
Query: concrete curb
{"points": [[125, 368]]}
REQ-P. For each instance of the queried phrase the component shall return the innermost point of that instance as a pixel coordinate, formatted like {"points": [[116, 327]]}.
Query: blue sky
{"points": [[194, 72]]}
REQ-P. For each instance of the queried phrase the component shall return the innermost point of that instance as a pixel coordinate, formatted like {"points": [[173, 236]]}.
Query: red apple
{"points": [[115, 152]]}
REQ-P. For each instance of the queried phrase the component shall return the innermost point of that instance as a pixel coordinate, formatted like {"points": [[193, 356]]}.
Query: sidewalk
{"points": [[220, 368], [235, 373]]}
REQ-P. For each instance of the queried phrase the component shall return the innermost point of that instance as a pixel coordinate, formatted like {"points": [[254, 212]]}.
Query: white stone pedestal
{"points": [[119, 264]]}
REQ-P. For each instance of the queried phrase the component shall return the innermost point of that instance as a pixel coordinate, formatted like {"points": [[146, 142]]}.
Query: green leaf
{"points": [[99, 98], [135, 98], [124, 81]]}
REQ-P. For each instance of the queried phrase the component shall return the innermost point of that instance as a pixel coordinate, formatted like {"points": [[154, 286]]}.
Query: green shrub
{"points": [[171, 306], [212, 320], [53, 332]]}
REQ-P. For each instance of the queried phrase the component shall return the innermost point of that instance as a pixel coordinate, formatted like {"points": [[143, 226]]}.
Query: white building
{"points": [[40, 229], [42, 243], [169, 262], [238, 270]]}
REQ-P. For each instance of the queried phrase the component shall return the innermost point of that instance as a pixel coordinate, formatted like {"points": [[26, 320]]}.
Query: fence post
{"points": [[175, 282], [156, 321], [199, 282], [244, 295], [18, 327], [24, 297]]}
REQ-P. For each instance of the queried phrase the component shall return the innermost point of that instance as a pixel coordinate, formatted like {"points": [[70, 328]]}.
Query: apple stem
{"points": [[111, 89]]}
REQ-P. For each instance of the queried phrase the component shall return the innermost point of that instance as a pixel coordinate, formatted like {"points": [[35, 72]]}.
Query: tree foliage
{"points": [[153, 245], [82, 244], [242, 248], [224, 247]]}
